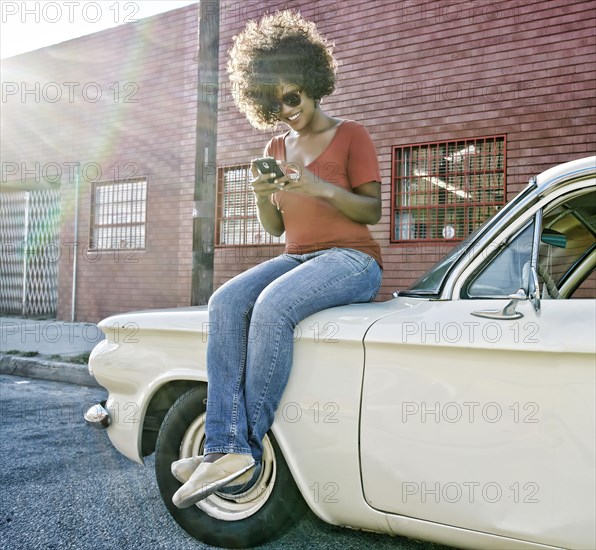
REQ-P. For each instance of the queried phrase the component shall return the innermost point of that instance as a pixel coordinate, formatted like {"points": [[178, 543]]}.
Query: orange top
{"points": [[313, 223]]}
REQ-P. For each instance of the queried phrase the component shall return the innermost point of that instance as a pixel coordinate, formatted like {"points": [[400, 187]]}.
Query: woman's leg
{"points": [[323, 280], [230, 310], [250, 354]]}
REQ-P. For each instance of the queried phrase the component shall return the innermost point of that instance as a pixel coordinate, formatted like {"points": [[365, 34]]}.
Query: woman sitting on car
{"points": [[280, 68]]}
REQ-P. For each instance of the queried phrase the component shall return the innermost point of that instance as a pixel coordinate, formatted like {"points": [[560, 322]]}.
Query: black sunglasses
{"points": [[291, 99]]}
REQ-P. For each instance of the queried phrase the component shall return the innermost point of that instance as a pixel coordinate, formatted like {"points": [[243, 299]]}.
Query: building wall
{"points": [[419, 71], [121, 102]]}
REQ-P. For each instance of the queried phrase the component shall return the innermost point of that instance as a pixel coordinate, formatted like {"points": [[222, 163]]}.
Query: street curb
{"points": [[45, 369]]}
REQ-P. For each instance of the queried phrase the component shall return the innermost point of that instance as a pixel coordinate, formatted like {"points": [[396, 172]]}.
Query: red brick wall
{"points": [[147, 130], [416, 71]]}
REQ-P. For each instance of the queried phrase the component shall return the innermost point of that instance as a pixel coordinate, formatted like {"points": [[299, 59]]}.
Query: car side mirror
{"points": [[554, 238]]}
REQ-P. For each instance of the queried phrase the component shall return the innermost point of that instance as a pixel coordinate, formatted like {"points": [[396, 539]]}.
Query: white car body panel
{"points": [[138, 357], [472, 414]]}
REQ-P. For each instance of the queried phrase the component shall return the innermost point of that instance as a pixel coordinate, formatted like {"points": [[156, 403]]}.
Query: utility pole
{"points": [[206, 160]]}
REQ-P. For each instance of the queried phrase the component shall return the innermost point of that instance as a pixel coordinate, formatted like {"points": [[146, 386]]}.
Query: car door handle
{"points": [[508, 313]]}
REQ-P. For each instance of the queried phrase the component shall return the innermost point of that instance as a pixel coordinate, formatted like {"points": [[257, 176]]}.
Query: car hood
{"points": [[184, 319], [352, 320]]}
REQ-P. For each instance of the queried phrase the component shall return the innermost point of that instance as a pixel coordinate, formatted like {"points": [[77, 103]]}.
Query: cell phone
{"points": [[268, 165]]}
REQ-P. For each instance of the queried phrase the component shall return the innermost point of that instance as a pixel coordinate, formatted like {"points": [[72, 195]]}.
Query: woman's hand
{"points": [[301, 180], [362, 205], [268, 214], [263, 185], [297, 179]]}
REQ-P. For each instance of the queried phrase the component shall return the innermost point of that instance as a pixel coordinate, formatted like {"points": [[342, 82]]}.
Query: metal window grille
{"points": [[29, 252], [442, 191], [237, 221], [118, 215]]}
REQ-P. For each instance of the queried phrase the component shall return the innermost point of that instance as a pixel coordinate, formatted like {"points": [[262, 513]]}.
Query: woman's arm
{"points": [[363, 205], [270, 217]]}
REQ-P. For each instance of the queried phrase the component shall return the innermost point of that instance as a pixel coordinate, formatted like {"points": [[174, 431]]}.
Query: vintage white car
{"points": [[462, 411]]}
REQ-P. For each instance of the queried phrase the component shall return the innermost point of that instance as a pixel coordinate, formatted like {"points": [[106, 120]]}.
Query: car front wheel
{"points": [[262, 513]]}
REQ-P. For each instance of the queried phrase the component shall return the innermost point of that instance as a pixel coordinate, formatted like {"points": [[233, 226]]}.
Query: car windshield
{"points": [[431, 282]]}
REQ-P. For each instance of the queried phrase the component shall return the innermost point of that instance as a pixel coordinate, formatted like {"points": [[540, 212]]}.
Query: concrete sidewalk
{"points": [[42, 349]]}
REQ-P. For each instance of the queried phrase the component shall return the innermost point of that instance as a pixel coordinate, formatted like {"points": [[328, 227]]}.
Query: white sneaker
{"points": [[209, 477], [182, 469]]}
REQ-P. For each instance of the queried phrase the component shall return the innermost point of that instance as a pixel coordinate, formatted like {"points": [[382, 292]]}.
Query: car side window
{"points": [[506, 272], [568, 247], [566, 255]]}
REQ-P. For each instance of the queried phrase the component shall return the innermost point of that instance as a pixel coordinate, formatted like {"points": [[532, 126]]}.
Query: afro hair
{"points": [[280, 48]]}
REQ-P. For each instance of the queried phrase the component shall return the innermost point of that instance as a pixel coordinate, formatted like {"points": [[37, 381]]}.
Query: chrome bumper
{"points": [[98, 417]]}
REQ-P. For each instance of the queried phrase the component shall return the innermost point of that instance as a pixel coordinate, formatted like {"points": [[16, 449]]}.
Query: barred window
{"points": [[442, 191], [118, 215], [237, 221]]}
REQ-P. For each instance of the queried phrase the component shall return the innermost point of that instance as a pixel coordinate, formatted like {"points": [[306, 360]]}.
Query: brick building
{"points": [[463, 100], [117, 111]]}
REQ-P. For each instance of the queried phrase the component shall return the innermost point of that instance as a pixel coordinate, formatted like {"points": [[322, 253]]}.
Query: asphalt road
{"points": [[64, 486]]}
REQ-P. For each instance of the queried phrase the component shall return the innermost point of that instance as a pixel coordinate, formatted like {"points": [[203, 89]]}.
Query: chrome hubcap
{"points": [[241, 505]]}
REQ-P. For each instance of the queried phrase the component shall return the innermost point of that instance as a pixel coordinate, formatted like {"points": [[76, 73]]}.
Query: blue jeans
{"points": [[251, 335]]}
